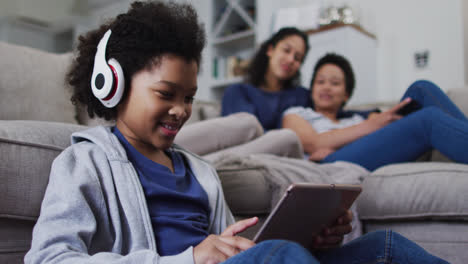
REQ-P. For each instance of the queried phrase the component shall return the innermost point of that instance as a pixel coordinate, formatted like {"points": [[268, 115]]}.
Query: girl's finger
{"points": [[240, 226], [238, 242], [330, 241], [400, 105], [346, 218], [339, 230], [226, 249]]}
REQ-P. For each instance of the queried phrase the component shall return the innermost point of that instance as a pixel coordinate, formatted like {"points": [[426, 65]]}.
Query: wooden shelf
{"points": [[340, 25], [221, 83], [233, 37]]}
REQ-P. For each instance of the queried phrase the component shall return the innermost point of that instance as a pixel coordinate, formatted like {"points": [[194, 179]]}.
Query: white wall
{"points": [[8, 7], [405, 27], [402, 28], [265, 14], [49, 26]]}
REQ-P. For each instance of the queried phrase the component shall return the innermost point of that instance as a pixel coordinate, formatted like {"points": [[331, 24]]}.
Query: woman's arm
{"points": [[314, 142], [218, 248]]}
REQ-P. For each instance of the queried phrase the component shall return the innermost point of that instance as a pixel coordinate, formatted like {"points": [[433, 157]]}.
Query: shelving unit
{"points": [[232, 41]]}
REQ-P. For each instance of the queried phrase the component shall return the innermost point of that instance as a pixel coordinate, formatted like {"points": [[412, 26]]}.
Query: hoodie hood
{"points": [[103, 138]]}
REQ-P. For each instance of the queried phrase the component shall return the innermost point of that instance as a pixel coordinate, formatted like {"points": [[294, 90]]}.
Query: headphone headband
{"points": [[107, 85]]}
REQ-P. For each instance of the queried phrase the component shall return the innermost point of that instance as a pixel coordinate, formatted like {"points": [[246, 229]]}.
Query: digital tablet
{"points": [[305, 209]]}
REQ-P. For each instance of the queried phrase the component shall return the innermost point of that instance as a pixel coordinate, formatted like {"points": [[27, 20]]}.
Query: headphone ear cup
{"points": [[102, 79], [118, 86]]}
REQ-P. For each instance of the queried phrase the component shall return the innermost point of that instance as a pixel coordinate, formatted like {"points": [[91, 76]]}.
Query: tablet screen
{"points": [[305, 209]]}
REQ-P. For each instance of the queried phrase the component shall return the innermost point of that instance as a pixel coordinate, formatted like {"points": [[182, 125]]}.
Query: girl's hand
{"points": [[320, 154], [218, 248], [380, 120], [332, 237]]}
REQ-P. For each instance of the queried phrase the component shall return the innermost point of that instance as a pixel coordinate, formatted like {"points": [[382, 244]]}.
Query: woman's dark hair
{"points": [[139, 38], [259, 64], [343, 64]]}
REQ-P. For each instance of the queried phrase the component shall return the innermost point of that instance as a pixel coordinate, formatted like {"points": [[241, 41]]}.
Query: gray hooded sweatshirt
{"points": [[94, 209]]}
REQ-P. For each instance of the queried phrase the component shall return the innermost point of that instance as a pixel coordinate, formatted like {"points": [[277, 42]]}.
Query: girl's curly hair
{"points": [[139, 39], [259, 64]]}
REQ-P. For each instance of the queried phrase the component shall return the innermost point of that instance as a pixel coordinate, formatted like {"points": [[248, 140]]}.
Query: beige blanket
{"points": [[251, 178], [280, 172]]}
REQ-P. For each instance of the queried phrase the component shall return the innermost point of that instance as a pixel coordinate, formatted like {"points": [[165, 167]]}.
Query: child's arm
{"points": [[218, 248], [313, 141], [332, 236], [77, 225]]}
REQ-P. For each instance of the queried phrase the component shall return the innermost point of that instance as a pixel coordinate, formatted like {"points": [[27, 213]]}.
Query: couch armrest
{"points": [[460, 97], [27, 149]]}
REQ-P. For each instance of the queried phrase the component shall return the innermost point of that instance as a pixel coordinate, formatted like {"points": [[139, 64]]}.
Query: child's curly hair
{"points": [[139, 38]]}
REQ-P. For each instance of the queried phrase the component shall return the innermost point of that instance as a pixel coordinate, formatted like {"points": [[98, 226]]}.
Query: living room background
{"points": [[402, 28]]}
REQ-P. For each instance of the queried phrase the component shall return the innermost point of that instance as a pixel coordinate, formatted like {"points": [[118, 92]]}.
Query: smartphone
{"points": [[409, 108]]}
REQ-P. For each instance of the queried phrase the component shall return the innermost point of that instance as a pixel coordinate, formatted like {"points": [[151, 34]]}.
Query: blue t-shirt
{"points": [[177, 204], [268, 107]]}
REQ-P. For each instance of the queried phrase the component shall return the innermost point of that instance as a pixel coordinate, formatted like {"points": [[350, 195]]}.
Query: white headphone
{"points": [[107, 81]]}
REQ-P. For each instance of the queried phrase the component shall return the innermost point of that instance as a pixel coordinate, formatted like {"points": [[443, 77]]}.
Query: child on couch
{"points": [[127, 194]]}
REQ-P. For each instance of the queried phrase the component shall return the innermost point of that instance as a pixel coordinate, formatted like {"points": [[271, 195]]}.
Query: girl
{"points": [[424, 119]]}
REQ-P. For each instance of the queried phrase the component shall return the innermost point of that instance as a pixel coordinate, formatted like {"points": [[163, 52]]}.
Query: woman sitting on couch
{"points": [[425, 118], [255, 106], [272, 81]]}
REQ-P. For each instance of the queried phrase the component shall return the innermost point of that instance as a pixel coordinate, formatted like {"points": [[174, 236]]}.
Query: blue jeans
{"points": [[376, 247], [438, 124]]}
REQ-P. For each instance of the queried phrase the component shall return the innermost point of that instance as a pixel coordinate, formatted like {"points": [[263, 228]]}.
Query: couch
{"points": [[427, 200]]}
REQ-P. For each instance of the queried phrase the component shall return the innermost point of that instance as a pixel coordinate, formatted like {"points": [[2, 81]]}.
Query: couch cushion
{"points": [[417, 190], [460, 98], [27, 149], [246, 189], [32, 85], [253, 183]]}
